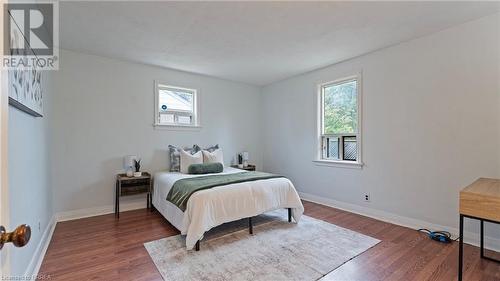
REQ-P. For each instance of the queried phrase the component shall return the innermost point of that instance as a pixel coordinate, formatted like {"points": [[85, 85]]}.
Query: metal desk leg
{"points": [[461, 248], [483, 256], [482, 239]]}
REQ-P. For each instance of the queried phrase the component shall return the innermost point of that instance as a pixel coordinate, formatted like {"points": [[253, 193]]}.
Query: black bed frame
{"points": [[250, 227]]}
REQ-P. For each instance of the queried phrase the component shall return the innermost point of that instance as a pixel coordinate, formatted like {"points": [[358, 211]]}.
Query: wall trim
{"points": [[41, 249], [471, 238], [97, 211]]}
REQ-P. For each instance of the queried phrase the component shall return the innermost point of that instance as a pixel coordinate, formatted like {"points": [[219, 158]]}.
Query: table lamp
{"points": [[245, 159], [128, 164]]}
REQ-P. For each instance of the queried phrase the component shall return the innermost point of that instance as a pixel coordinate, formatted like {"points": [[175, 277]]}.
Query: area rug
{"points": [[277, 250]]}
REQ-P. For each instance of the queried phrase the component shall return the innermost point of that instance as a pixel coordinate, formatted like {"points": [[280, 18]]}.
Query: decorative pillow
{"points": [[188, 159], [175, 162], [213, 157], [205, 168]]}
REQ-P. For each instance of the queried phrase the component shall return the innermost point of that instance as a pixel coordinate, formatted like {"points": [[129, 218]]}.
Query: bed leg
{"points": [[250, 226], [197, 246], [289, 214]]}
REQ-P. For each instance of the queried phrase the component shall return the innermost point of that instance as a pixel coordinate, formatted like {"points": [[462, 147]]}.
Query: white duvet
{"points": [[212, 207]]}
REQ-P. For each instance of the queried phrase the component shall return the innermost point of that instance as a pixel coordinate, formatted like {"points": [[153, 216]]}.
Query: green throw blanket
{"points": [[184, 188]]}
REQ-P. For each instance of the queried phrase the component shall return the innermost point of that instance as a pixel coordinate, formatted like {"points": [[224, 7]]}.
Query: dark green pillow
{"points": [[207, 168]]}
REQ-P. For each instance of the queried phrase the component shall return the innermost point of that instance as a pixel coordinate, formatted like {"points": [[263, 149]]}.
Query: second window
{"points": [[340, 120]]}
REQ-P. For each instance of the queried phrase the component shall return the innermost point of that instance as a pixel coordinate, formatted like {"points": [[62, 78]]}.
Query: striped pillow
{"points": [[175, 156]]}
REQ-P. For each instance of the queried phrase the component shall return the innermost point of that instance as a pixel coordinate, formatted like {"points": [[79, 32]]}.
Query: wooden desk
{"points": [[480, 201]]}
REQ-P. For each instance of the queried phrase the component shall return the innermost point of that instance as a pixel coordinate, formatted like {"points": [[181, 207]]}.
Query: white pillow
{"points": [[213, 157], [188, 159]]}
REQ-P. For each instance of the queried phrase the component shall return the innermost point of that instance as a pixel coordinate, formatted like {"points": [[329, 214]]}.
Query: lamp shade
{"points": [[128, 161]]}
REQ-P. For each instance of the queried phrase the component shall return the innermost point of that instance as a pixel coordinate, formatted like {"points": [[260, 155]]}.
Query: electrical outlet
{"points": [[367, 197], [39, 228]]}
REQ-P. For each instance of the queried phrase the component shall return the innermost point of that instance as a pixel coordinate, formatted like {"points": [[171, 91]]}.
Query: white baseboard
{"points": [[471, 238], [41, 249], [97, 211]]}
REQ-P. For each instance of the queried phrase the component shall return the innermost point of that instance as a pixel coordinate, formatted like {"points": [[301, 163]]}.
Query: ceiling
{"points": [[253, 42]]}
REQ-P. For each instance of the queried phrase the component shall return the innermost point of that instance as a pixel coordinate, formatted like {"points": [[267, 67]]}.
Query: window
{"points": [[339, 121], [176, 106]]}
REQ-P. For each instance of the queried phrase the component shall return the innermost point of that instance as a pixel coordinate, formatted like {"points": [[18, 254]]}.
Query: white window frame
{"points": [[196, 107], [319, 149]]}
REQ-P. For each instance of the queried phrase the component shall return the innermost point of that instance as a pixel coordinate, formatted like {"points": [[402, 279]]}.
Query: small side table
{"points": [[250, 167], [126, 186], [479, 201]]}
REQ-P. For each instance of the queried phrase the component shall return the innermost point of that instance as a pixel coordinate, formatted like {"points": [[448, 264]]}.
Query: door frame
{"points": [[4, 115]]}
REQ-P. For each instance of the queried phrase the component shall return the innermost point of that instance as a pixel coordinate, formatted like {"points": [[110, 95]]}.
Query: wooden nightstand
{"points": [[131, 186], [250, 167]]}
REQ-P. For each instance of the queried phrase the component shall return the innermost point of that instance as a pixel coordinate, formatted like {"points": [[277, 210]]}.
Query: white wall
{"points": [[431, 124], [30, 192], [104, 109]]}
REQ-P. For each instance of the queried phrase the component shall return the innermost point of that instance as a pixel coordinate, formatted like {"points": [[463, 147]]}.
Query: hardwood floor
{"points": [[103, 248]]}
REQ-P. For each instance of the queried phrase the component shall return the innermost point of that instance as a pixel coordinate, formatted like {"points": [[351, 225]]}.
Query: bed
{"points": [[209, 208]]}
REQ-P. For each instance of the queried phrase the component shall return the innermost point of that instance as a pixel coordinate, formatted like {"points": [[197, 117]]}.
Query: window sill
{"points": [[339, 164], [177, 127]]}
